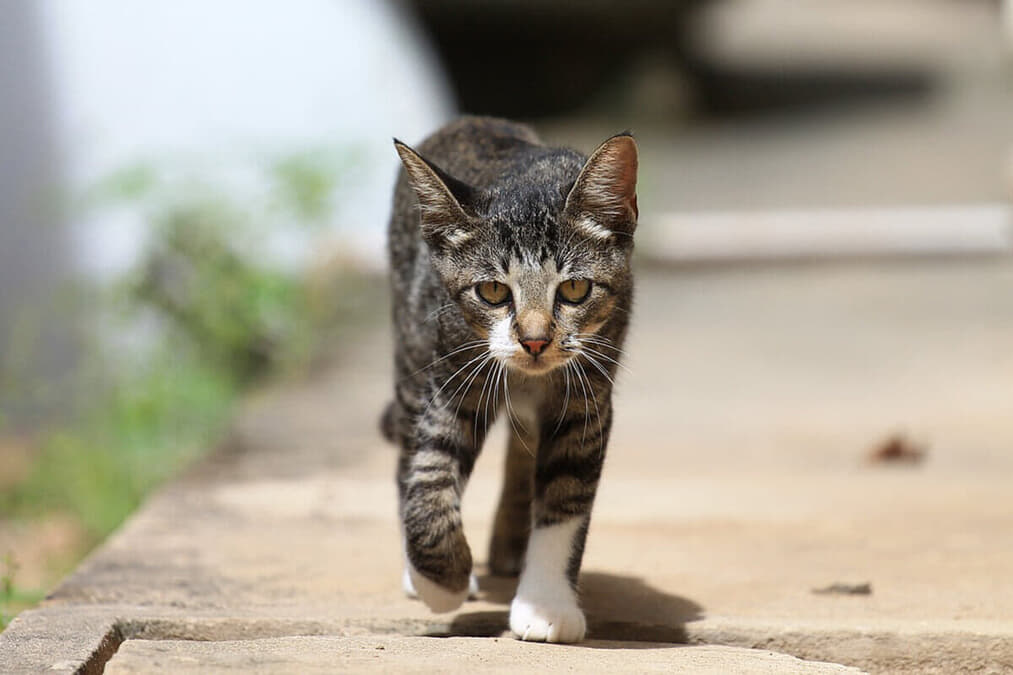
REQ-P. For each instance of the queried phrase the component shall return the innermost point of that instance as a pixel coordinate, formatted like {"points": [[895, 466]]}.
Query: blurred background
{"points": [[194, 196]]}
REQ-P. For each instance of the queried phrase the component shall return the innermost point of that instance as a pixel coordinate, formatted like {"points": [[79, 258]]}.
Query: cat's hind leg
{"points": [[512, 524]]}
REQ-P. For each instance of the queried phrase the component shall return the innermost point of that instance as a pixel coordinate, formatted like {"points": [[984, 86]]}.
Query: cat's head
{"points": [[538, 263]]}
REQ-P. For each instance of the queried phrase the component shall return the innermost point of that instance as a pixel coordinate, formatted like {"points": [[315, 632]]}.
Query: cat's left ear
{"points": [[444, 220], [603, 200]]}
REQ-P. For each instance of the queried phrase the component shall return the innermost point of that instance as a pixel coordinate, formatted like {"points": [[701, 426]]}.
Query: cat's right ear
{"points": [[444, 220], [603, 201]]}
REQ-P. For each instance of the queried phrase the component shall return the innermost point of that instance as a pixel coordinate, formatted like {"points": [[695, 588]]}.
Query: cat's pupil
{"points": [[574, 290], [493, 292]]}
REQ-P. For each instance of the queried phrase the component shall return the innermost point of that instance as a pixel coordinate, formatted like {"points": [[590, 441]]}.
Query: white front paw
{"points": [[556, 619], [409, 587], [406, 584], [436, 597]]}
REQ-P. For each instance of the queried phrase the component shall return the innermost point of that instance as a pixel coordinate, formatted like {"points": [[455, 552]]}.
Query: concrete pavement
{"points": [[736, 484]]}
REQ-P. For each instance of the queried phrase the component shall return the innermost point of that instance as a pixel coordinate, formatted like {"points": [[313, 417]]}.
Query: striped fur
{"points": [[484, 200]]}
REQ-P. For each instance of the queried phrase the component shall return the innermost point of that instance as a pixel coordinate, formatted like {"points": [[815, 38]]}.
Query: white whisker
{"points": [[601, 369], [566, 400], [598, 340], [514, 421], [439, 310], [494, 380], [468, 381], [597, 412], [589, 351], [583, 388], [474, 344], [451, 379], [478, 407]]}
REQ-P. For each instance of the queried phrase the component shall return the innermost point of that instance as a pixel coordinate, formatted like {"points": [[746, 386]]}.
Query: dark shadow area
{"points": [[627, 608], [537, 59], [729, 92], [620, 609], [476, 624], [541, 59]]}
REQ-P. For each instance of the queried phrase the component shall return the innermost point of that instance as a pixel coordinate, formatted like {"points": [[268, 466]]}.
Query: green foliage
{"points": [[140, 430], [13, 598], [240, 317], [202, 317], [216, 319], [305, 183], [127, 184]]}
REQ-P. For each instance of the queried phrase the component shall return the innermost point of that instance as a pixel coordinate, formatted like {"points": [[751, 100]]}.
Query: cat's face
{"points": [[536, 269], [537, 313]]}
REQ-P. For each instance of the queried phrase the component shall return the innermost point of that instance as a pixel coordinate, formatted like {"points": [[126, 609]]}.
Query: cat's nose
{"points": [[534, 346]]}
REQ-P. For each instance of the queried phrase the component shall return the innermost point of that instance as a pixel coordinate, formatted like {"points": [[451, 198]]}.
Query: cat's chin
{"points": [[535, 368]]}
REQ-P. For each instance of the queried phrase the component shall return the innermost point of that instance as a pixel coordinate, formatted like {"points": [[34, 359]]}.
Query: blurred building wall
{"points": [[213, 86], [91, 87], [34, 255]]}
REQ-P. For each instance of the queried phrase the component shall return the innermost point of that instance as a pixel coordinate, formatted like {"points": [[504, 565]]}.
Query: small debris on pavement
{"points": [[897, 449], [845, 589]]}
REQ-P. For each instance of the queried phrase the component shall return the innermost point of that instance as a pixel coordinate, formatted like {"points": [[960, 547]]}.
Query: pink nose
{"points": [[534, 347]]}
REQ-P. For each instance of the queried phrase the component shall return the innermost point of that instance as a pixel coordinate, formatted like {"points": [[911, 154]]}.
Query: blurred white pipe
{"points": [[829, 233], [1006, 17]]}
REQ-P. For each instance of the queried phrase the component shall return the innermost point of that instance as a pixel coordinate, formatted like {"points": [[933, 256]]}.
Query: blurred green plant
{"points": [[203, 317], [13, 598], [306, 182], [141, 429], [243, 318]]}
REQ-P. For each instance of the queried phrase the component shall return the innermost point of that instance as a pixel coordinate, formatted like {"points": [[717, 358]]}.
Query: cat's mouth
{"points": [[539, 364]]}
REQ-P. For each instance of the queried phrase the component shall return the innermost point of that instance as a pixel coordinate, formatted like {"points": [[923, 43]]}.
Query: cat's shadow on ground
{"points": [[619, 609]]}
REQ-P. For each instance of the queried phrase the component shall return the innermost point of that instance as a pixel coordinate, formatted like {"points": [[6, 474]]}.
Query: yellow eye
{"points": [[574, 291], [493, 292]]}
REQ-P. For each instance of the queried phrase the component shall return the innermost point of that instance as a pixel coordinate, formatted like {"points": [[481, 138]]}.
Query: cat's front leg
{"points": [[432, 473], [567, 470]]}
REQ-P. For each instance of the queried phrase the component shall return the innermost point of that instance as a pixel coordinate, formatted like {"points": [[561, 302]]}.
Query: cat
{"points": [[512, 289]]}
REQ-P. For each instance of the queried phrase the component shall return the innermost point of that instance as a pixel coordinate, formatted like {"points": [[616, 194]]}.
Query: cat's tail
{"points": [[388, 422]]}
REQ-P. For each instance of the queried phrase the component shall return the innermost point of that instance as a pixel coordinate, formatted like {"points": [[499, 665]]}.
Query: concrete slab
{"points": [[736, 485], [59, 640], [449, 655]]}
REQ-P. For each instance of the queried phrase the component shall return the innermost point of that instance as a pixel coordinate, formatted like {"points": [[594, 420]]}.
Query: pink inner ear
{"points": [[625, 158], [628, 180], [613, 172]]}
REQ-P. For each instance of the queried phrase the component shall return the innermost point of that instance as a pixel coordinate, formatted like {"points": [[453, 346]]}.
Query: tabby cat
{"points": [[510, 272]]}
